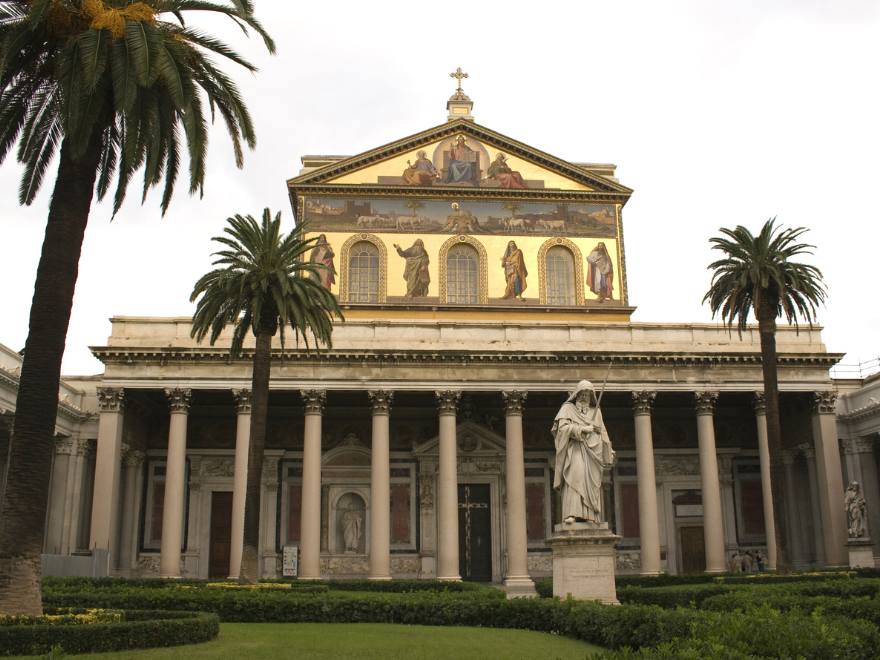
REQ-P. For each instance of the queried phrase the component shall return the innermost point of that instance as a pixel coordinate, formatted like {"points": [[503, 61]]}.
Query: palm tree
{"points": [[414, 205], [117, 87], [261, 290], [757, 274], [513, 208]]}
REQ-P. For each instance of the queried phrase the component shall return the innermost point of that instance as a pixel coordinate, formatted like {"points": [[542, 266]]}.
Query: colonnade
{"points": [[110, 452]]}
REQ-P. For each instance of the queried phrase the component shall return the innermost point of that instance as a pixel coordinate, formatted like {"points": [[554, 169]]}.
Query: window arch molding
{"points": [[483, 271], [383, 264], [578, 268]]}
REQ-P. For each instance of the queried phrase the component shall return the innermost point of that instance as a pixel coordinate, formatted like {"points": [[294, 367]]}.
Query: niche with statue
{"points": [[351, 522]]}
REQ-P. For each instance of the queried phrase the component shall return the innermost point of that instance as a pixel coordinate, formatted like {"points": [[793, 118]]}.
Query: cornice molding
{"points": [[120, 355]]}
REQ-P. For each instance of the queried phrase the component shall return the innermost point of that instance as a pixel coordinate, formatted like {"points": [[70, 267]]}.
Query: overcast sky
{"points": [[716, 114]]}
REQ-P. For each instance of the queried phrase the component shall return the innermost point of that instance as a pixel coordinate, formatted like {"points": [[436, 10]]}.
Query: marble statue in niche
{"points": [[350, 513], [583, 453], [854, 504], [351, 528]]}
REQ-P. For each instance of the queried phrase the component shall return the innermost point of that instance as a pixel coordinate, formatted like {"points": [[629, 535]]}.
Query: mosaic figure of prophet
{"points": [[600, 273], [501, 172], [515, 272], [416, 271], [422, 172], [583, 452], [323, 254], [462, 163]]}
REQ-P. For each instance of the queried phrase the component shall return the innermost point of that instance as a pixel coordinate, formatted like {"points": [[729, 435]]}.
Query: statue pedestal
{"points": [[583, 561], [861, 553]]}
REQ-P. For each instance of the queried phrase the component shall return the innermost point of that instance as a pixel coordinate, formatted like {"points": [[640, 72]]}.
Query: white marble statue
{"points": [[854, 505], [583, 452], [351, 528]]}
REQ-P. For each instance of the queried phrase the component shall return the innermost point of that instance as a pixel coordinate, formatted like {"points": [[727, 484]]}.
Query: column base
{"points": [[306, 578], [171, 577], [449, 578], [231, 577], [520, 587], [379, 577], [651, 573], [584, 561]]}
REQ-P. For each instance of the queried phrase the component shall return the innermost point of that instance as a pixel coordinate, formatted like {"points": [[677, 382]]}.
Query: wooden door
{"points": [[693, 549], [474, 533], [221, 534]]}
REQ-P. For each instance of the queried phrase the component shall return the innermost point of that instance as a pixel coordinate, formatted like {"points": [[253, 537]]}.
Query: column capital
{"points": [[704, 402], [313, 400], [823, 402], [64, 444], [643, 402], [514, 401], [788, 456], [447, 401], [87, 448], [242, 401], [178, 400], [111, 399], [809, 449], [133, 458], [380, 401], [759, 404], [863, 444]]}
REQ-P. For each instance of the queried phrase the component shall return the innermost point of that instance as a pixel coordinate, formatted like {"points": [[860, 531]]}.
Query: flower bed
{"points": [[79, 630]]}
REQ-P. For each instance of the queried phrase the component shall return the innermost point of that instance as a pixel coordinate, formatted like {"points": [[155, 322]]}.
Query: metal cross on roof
{"points": [[458, 74]]}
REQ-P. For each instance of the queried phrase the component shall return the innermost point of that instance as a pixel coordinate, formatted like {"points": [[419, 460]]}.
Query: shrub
{"points": [[544, 587], [135, 630]]}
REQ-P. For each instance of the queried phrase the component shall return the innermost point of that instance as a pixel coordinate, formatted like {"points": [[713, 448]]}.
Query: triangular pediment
{"points": [[473, 440], [459, 154]]}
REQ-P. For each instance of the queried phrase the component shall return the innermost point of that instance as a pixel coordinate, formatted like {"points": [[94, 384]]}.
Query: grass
{"points": [[362, 641]]}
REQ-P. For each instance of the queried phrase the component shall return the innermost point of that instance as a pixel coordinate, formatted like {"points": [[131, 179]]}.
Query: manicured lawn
{"points": [[360, 641]]}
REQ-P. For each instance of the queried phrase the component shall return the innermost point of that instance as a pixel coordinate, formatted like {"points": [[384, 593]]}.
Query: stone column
{"points": [[764, 454], [447, 487], [713, 522], [815, 501], [831, 488], [108, 460], [134, 462], [310, 531], [380, 487], [517, 580], [239, 478], [65, 448], [649, 520], [792, 510], [858, 452], [175, 483]]}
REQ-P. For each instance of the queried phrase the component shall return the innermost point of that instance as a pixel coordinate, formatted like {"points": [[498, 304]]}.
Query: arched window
{"points": [[560, 276], [363, 273], [462, 274]]}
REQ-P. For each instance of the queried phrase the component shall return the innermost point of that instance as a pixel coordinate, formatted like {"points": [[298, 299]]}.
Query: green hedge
{"points": [[853, 607], [137, 630], [614, 627]]}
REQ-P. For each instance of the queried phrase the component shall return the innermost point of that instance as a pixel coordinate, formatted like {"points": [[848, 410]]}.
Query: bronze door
{"points": [[693, 550], [221, 534], [474, 533]]}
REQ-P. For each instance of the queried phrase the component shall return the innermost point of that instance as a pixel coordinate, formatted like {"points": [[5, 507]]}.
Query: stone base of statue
{"points": [[583, 561], [861, 553], [520, 587]]}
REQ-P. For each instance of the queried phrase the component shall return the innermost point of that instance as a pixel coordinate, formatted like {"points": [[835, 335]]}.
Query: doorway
{"points": [[693, 549], [474, 533], [221, 534]]}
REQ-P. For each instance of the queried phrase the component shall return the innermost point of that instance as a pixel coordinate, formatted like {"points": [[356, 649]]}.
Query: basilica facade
{"points": [[480, 280]]}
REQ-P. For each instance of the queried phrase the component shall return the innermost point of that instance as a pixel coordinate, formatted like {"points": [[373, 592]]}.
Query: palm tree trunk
{"points": [[767, 329], [250, 566], [27, 488]]}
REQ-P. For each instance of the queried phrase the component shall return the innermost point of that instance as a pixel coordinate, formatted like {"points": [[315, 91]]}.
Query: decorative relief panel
{"points": [[578, 268], [484, 266], [219, 467], [684, 466]]}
